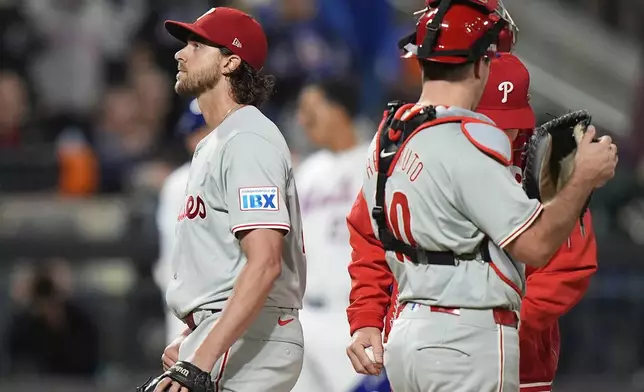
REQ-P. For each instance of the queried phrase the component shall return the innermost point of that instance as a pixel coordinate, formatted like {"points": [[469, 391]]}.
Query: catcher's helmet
{"points": [[460, 31]]}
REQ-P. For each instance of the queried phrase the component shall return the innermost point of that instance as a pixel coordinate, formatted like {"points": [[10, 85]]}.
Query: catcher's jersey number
{"points": [[400, 221]]}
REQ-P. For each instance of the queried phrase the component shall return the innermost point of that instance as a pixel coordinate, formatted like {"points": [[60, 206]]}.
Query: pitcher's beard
{"points": [[196, 83]]}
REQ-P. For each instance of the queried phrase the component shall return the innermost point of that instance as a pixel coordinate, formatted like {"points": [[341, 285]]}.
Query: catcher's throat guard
{"points": [[400, 122]]}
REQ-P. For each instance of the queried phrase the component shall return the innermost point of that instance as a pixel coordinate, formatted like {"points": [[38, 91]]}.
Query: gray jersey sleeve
{"points": [[255, 176], [487, 193]]}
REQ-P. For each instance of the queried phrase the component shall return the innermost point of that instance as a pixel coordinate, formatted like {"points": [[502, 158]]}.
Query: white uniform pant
{"points": [[441, 352], [268, 357], [326, 365]]}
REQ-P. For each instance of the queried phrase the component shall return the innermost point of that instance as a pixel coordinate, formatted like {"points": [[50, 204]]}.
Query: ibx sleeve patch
{"points": [[259, 198]]}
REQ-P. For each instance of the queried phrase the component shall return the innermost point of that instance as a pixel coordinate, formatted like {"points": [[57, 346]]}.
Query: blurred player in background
{"points": [[327, 182], [192, 128]]}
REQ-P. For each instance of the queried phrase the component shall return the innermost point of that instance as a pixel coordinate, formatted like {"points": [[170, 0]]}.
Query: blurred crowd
{"points": [[87, 108], [93, 80], [49, 332]]}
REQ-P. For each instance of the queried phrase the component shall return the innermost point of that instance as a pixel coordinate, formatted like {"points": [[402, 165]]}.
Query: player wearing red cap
{"points": [[238, 267], [552, 290], [441, 215]]}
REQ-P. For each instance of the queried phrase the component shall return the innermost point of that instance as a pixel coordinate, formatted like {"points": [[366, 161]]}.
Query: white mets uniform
{"points": [[171, 200], [327, 183], [446, 194], [241, 179]]}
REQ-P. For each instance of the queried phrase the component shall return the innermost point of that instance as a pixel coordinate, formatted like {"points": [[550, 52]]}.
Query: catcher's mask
{"points": [[460, 31]]}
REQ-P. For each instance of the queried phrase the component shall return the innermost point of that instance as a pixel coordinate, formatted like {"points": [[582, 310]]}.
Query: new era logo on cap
{"points": [[237, 43]]}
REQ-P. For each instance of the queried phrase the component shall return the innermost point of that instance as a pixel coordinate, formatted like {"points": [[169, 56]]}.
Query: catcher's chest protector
{"points": [[399, 124], [491, 140]]}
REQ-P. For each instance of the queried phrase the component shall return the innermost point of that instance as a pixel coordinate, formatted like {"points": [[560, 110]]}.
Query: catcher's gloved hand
{"points": [[186, 374], [550, 155]]}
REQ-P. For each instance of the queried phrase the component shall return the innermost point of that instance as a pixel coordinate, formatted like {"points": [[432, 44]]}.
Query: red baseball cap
{"points": [[506, 99], [230, 28]]}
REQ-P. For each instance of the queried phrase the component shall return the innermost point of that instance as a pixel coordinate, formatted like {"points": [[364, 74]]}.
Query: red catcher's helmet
{"points": [[460, 31]]}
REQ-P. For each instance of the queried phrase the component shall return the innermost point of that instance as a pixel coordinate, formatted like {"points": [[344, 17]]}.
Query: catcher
{"points": [[554, 289], [449, 220]]}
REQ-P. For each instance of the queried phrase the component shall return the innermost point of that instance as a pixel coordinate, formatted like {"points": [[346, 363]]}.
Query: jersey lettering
{"points": [[411, 164], [400, 205], [194, 207], [371, 167]]}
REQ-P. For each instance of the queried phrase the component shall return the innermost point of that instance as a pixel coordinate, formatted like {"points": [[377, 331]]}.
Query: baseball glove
{"points": [[550, 155], [186, 374]]}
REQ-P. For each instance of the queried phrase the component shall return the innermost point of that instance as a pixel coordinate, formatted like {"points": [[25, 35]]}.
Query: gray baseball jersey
{"points": [[240, 179], [445, 194]]}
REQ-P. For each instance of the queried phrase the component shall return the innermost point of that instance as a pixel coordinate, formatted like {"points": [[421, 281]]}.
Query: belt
{"points": [[506, 317], [502, 316], [189, 320]]}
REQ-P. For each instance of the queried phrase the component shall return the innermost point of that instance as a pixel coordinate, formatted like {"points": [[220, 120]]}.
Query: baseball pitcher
{"points": [[441, 208], [238, 266], [192, 128]]}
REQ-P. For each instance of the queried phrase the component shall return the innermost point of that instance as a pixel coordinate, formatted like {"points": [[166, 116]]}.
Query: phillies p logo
{"points": [[506, 88]]}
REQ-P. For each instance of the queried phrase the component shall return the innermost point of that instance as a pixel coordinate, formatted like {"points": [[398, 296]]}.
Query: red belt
{"points": [[189, 320], [501, 316], [506, 317]]}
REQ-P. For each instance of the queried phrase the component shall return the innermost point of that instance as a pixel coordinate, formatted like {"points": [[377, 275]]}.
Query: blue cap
{"points": [[191, 119]]}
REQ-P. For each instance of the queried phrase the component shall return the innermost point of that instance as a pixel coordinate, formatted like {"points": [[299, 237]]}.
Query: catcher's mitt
{"points": [[186, 374], [550, 155]]}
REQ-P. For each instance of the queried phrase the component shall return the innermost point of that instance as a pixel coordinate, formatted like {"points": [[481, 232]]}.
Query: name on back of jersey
{"points": [[259, 198], [408, 162]]}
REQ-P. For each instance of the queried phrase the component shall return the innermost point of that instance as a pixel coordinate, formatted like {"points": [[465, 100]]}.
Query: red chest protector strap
{"points": [[400, 123]]}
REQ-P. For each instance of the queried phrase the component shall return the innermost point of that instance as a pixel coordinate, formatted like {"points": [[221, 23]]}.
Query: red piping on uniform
{"points": [[490, 152], [507, 240], [220, 375], [506, 279], [501, 358]]}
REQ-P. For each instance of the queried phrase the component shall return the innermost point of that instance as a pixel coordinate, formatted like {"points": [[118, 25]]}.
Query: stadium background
{"points": [[87, 120]]}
